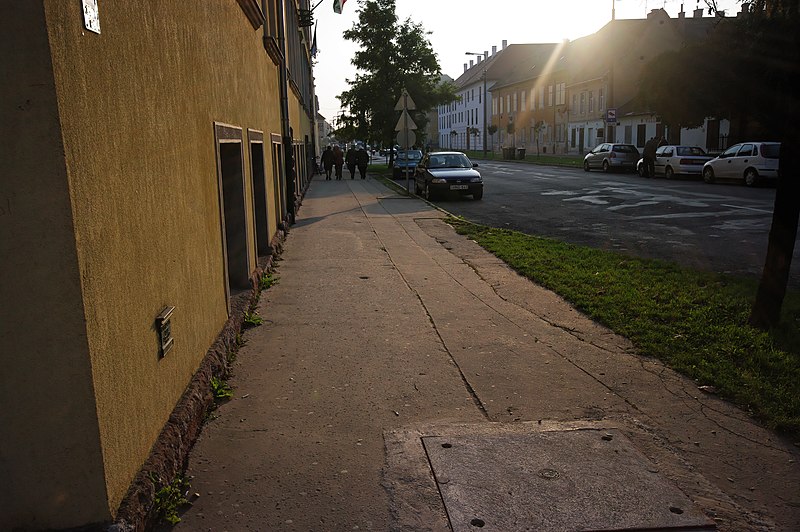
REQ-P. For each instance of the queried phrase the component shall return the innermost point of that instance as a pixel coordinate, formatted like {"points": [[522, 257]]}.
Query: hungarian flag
{"points": [[338, 5]]}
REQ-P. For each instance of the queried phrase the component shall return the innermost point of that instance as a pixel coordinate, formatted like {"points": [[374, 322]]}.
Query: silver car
{"points": [[611, 156], [676, 160], [748, 161]]}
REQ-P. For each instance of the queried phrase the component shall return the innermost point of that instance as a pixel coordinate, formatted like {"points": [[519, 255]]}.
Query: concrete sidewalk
{"points": [[386, 327]]}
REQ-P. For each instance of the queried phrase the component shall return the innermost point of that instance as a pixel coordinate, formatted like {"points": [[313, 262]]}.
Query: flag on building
{"points": [[338, 5], [314, 43]]}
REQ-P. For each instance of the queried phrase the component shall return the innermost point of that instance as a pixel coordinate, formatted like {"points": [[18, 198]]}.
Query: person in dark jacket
{"points": [[327, 162], [362, 160], [650, 157], [350, 161], [338, 161]]}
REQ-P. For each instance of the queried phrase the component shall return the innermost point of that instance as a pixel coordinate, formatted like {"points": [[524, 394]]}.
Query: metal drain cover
{"points": [[567, 480]]}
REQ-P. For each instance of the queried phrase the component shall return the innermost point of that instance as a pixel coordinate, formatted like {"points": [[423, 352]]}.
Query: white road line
{"points": [[746, 208]]}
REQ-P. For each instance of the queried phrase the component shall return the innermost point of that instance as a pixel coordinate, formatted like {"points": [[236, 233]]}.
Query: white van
{"points": [[748, 161]]}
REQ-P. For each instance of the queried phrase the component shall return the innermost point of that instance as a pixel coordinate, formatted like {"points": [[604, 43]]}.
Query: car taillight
{"points": [[690, 161], [612, 155]]}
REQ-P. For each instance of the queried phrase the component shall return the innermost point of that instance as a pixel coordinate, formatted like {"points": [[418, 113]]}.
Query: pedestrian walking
{"points": [[327, 162], [362, 160], [338, 161], [650, 157], [350, 161]]}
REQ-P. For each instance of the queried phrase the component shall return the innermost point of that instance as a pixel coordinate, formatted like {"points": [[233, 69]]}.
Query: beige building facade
{"points": [[143, 177]]}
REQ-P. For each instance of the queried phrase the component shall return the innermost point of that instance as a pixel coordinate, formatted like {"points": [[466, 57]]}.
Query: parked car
{"points": [[677, 160], [406, 159], [748, 161], [440, 172], [610, 156]]}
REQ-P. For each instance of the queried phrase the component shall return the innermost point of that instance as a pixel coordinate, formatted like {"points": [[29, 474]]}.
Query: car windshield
{"points": [[449, 160], [770, 151], [412, 155], [625, 148], [690, 150]]}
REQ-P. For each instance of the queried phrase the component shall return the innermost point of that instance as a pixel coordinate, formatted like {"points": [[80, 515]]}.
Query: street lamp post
{"points": [[483, 76]]}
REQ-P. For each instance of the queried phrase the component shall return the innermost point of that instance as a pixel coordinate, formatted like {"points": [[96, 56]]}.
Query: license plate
{"points": [[459, 187]]}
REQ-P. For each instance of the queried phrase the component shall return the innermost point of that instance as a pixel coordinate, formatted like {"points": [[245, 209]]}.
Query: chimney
{"points": [[471, 63], [465, 67], [480, 58], [698, 13], [505, 43], [486, 54], [682, 14], [494, 50]]}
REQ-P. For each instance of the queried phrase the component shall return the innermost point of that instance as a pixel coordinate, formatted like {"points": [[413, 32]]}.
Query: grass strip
{"points": [[696, 322]]}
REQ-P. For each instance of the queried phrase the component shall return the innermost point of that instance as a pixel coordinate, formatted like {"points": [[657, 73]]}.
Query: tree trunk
{"points": [[772, 288]]}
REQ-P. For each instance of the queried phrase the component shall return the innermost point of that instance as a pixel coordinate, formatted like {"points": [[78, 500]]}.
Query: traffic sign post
{"points": [[406, 126]]}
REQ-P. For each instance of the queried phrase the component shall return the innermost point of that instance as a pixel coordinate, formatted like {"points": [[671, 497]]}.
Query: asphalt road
{"points": [[719, 227]]}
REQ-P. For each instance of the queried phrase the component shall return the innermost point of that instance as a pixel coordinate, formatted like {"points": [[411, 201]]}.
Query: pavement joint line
{"points": [[473, 393], [511, 321]]}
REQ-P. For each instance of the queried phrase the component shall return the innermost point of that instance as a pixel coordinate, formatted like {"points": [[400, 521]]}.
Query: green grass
{"points": [[380, 172], [252, 319], [267, 281], [696, 322], [170, 498], [220, 389]]}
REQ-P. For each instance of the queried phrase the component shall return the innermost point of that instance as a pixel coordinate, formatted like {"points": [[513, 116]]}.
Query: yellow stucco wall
{"points": [[136, 106], [50, 454]]}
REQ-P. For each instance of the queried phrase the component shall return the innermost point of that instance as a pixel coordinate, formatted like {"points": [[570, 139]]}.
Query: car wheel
{"points": [[605, 166], [640, 170], [477, 195], [708, 174], [750, 177], [585, 166], [668, 172]]}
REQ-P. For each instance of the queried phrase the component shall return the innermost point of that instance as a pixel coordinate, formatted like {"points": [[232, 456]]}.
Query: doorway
{"points": [[230, 168], [277, 181], [259, 187]]}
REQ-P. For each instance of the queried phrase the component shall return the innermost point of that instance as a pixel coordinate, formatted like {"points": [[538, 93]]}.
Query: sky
{"points": [[459, 26]]}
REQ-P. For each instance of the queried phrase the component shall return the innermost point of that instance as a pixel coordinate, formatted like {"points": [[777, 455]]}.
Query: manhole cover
{"points": [[570, 480]]}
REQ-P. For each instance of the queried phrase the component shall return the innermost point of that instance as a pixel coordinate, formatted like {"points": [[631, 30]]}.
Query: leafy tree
{"points": [[472, 131], [748, 71], [393, 55], [510, 129], [538, 127], [492, 129], [772, 54]]}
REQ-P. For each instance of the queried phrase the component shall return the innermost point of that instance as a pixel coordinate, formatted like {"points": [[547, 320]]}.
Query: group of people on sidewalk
{"points": [[333, 160]]}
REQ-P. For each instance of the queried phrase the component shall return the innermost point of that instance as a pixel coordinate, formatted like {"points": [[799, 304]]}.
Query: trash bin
{"points": [[520, 153], [508, 153]]}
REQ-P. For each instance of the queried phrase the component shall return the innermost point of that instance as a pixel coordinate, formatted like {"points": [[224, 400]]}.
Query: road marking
{"points": [[631, 205], [746, 208], [560, 193], [589, 199]]}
